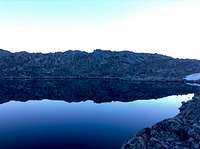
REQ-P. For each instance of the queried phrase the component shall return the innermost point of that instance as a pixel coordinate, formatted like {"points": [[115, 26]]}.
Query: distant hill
{"points": [[98, 64]]}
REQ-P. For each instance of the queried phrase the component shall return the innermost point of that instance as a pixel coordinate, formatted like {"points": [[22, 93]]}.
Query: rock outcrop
{"points": [[179, 132]]}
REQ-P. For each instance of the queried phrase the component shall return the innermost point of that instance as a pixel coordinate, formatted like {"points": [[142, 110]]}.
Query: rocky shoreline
{"points": [[179, 132]]}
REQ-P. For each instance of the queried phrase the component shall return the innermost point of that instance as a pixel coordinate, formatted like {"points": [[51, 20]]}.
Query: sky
{"points": [[169, 27]]}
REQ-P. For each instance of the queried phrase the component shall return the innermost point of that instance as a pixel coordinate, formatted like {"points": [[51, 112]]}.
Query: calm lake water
{"points": [[51, 124]]}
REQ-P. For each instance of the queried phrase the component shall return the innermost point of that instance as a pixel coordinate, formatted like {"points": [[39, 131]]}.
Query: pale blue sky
{"points": [[158, 26], [71, 11]]}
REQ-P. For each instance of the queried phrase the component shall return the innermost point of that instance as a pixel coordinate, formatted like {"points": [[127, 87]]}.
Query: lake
{"points": [[81, 115], [58, 124]]}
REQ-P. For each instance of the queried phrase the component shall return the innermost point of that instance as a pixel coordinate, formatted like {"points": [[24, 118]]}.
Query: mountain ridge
{"points": [[97, 64]]}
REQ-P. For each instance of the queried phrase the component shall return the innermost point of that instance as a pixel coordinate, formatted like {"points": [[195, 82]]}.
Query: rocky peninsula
{"points": [[179, 132]]}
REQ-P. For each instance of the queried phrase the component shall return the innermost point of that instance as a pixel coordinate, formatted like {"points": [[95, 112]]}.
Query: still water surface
{"points": [[54, 124]]}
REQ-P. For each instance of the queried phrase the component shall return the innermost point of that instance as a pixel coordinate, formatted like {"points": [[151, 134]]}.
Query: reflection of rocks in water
{"points": [[98, 90]]}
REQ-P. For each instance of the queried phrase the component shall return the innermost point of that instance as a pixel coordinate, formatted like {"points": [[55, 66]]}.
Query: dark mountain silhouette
{"points": [[98, 64]]}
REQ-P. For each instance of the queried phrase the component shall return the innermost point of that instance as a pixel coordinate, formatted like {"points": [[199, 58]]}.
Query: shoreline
{"points": [[142, 80], [179, 132], [157, 79]]}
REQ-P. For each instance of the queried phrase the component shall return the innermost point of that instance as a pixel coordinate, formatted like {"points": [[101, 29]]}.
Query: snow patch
{"points": [[193, 77], [193, 84]]}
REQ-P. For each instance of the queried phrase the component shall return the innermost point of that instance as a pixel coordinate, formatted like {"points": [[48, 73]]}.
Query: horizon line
{"points": [[104, 50]]}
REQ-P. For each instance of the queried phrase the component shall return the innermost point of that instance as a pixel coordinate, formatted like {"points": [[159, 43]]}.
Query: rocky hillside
{"points": [[180, 132], [98, 64]]}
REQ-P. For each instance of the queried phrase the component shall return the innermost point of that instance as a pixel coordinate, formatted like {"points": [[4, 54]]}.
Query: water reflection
{"points": [[51, 124], [98, 90], [83, 124]]}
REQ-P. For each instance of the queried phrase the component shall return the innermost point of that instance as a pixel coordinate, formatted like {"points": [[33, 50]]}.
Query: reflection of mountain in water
{"points": [[98, 90]]}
